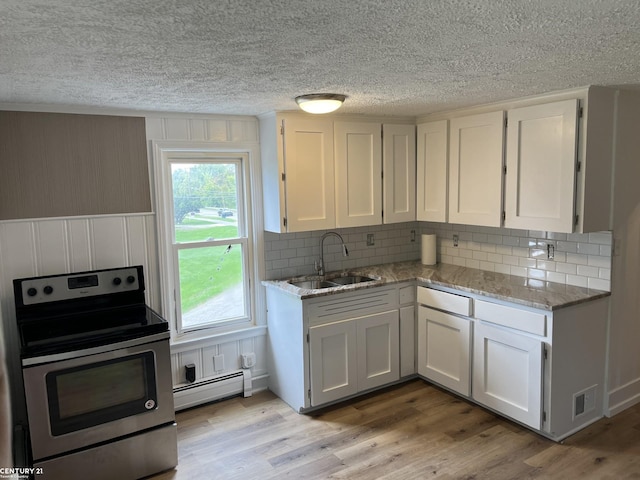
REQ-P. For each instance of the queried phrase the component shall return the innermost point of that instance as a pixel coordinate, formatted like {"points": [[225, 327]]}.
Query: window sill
{"points": [[194, 340]]}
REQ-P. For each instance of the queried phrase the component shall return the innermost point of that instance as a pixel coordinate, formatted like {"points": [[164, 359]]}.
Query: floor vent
{"points": [[227, 385]]}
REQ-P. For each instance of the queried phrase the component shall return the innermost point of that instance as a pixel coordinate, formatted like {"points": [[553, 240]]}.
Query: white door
{"points": [[378, 349], [309, 174], [444, 349], [431, 186], [541, 167], [507, 373], [476, 169], [332, 353], [358, 156], [399, 173]]}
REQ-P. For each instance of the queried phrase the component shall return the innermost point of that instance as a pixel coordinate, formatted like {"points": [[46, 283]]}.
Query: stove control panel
{"points": [[79, 285]]}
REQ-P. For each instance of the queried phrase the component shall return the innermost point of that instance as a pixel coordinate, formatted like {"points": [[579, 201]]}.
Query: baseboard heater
{"points": [[216, 388]]}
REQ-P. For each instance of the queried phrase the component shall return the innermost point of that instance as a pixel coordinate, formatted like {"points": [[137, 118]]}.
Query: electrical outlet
{"points": [[455, 239], [218, 363], [248, 360], [370, 240], [550, 251], [413, 235]]}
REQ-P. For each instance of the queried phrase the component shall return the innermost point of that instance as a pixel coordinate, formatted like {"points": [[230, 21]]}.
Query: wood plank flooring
{"points": [[410, 431]]}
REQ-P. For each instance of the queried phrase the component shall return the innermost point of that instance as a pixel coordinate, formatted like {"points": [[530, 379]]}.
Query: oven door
{"points": [[91, 398]]}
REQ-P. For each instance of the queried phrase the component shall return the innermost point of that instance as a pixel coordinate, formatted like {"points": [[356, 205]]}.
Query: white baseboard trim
{"points": [[623, 397]]}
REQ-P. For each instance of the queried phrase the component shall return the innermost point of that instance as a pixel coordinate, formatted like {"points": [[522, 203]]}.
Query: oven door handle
{"points": [[56, 357]]}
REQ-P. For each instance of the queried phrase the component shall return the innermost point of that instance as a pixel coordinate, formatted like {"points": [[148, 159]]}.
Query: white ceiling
{"points": [[390, 57]]}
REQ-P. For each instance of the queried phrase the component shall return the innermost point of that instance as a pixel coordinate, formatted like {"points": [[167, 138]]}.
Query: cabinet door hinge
{"points": [[284, 176], [580, 112], [282, 129], [579, 166], [544, 416], [284, 221], [506, 122], [504, 215], [504, 169], [309, 394], [546, 353], [307, 338], [577, 219]]}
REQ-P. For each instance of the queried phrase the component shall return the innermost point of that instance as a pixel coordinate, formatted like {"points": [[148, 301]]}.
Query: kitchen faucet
{"points": [[319, 265]]}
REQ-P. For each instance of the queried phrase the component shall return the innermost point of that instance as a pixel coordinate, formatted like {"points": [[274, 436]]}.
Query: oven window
{"points": [[101, 392]]}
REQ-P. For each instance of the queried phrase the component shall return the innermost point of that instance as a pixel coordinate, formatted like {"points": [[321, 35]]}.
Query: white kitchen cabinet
{"points": [[541, 166], [353, 355], [327, 348], [333, 361], [399, 173], [378, 349], [444, 349], [508, 373], [432, 181], [298, 173], [476, 169], [542, 368], [358, 160]]}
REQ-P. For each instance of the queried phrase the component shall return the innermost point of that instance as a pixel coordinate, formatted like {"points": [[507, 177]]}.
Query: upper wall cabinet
{"points": [[358, 164], [320, 173], [298, 173], [475, 169], [432, 156], [541, 166], [399, 173]]}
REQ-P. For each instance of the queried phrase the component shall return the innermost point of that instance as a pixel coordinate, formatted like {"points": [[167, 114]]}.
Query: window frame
{"points": [[164, 154]]}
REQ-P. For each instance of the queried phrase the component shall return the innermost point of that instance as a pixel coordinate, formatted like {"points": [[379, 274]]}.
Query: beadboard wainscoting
{"points": [[38, 247]]}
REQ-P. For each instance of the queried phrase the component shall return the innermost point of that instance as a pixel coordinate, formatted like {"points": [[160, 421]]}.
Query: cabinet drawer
{"points": [[523, 320], [340, 306], [444, 301]]}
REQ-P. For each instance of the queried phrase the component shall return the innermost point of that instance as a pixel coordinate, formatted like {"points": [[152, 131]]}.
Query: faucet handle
{"points": [[318, 267]]}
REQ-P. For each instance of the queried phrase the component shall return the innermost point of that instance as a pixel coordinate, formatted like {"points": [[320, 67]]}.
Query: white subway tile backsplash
{"points": [[579, 259]]}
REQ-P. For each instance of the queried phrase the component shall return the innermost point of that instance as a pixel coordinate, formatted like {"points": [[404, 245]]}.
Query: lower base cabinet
{"points": [[542, 368], [353, 355], [508, 373], [444, 349]]}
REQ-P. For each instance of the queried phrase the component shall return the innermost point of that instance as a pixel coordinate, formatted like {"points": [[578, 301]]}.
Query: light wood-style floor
{"points": [[410, 431]]}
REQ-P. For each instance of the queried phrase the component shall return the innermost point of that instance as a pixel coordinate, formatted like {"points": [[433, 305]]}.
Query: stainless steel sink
{"points": [[318, 284], [313, 284], [351, 279]]}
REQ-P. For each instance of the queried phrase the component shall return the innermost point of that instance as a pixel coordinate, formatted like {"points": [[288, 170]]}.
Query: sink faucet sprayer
{"points": [[319, 265]]}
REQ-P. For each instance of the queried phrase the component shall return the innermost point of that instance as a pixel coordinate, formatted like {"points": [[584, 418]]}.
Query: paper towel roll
{"points": [[429, 249]]}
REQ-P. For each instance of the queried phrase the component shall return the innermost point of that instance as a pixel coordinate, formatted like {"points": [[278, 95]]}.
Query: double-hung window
{"points": [[205, 245]]}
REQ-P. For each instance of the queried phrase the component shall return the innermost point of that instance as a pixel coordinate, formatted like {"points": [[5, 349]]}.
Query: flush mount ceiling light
{"points": [[320, 102]]}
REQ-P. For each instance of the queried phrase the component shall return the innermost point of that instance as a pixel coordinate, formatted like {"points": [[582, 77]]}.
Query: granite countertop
{"points": [[524, 291]]}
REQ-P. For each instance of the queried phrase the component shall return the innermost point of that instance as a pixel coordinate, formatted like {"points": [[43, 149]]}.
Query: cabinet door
{"points": [[399, 173], [358, 154], [309, 174], [332, 361], [407, 340], [431, 187], [476, 169], [444, 346], [507, 373], [378, 349], [541, 166]]}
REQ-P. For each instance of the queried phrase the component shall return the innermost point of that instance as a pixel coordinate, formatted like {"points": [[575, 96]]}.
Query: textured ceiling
{"points": [[390, 57]]}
